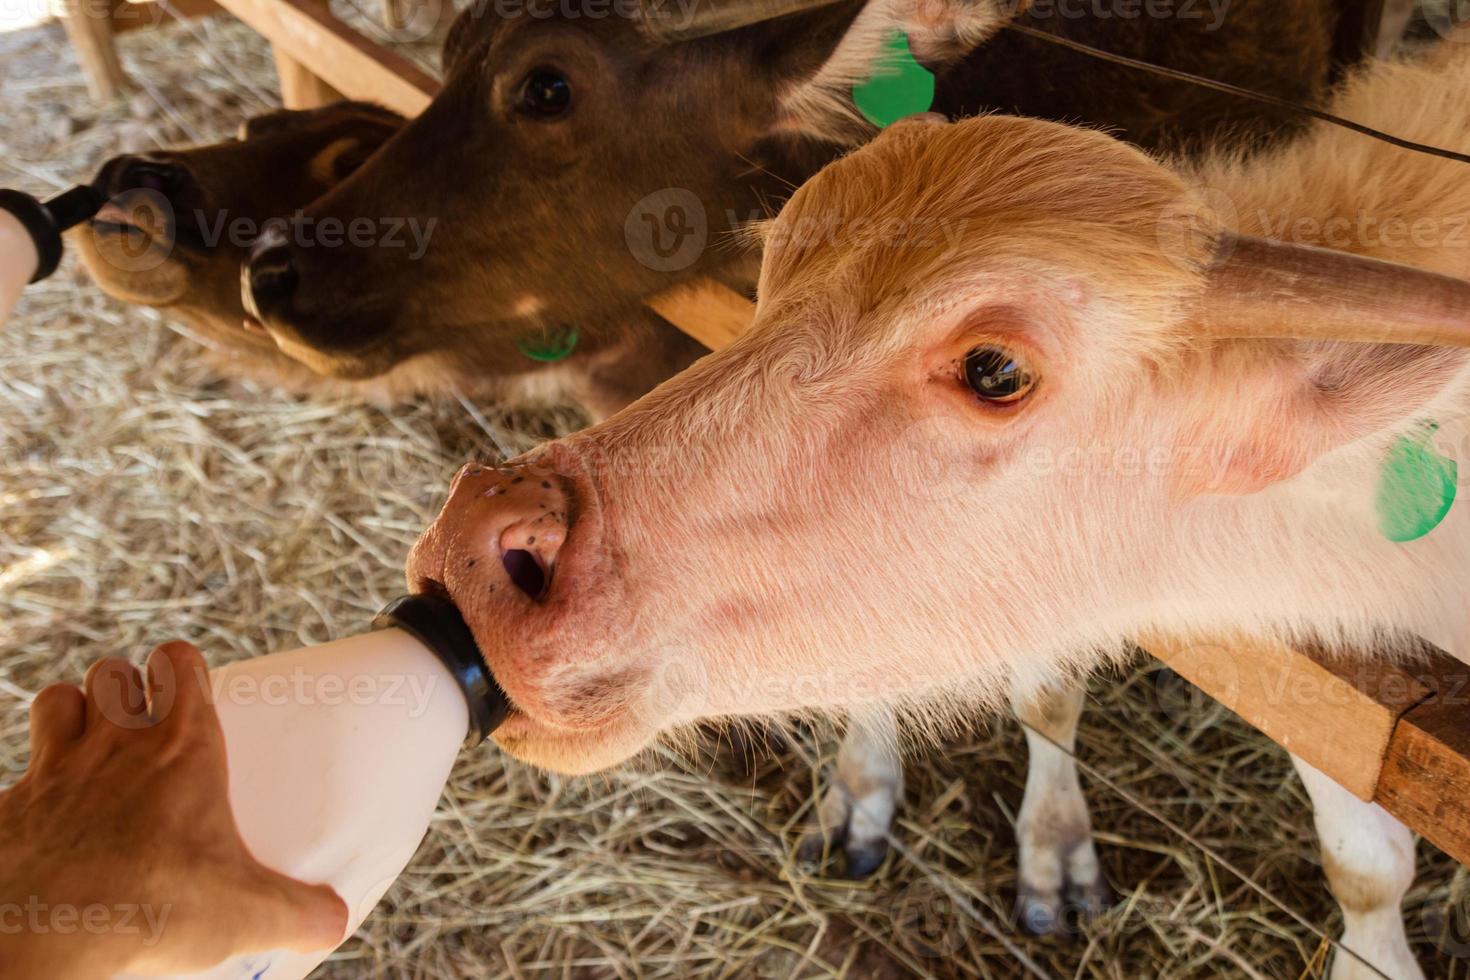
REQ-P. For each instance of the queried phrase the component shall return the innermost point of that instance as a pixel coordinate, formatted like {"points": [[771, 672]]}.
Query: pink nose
{"points": [[516, 517]]}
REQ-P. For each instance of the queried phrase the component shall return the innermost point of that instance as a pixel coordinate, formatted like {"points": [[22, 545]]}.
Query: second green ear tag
{"points": [[1416, 488], [898, 87], [552, 345]]}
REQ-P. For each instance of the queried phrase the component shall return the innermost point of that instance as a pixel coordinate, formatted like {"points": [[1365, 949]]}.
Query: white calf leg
{"points": [[1369, 860], [1059, 871], [857, 809]]}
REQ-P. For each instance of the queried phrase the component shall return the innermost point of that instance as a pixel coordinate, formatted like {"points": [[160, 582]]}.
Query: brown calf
{"points": [[575, 167]]}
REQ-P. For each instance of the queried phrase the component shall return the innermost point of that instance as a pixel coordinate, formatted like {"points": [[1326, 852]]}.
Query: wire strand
{"points": [[1244, 93]]}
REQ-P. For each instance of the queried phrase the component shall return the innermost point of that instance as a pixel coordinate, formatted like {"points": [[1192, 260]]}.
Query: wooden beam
{"points": [[306, 31], [1338, 716], [1426, 775], [300, 88], [710, 312]]}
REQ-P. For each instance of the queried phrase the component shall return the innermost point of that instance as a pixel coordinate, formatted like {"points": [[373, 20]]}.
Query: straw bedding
{"points": [[142, 498]]}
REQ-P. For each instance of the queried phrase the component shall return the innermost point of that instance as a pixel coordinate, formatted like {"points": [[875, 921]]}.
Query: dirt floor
{"points": [[142, 498]]}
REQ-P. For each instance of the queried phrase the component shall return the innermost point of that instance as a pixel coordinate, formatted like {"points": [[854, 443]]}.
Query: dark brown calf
{"points": [[181, 223], [574, 167]]}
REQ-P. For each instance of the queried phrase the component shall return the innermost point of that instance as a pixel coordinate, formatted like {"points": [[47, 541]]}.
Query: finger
{"points": [[284, 913], [58, 718], [114, 691], [178, 682]]}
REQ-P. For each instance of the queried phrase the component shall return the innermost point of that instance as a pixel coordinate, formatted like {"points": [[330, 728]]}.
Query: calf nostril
{"points": [[525, 571], [273, 277]]}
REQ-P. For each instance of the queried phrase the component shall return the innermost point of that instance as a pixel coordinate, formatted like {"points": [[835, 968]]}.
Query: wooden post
{"points": [[133, 15], [300, 88], [89, 28]]}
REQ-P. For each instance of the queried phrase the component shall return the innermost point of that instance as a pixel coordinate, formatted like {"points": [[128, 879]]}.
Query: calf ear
{"points": [[280, 121], [1275, 415], [368, 117]]}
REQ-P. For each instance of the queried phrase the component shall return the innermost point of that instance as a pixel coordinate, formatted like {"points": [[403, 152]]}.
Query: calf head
{"points": [[179, 222], [922, 477], [570, 167]]}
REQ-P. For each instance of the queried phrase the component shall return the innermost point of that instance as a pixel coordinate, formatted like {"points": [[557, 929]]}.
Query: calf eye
{"points": [[997, 375], [546, 93]]}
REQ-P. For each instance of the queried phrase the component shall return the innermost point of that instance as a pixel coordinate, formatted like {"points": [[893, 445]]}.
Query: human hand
{"points": [[118, 848]]}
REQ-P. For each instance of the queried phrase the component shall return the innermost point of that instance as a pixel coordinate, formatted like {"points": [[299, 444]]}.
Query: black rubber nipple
{"points": [[435, 622]]}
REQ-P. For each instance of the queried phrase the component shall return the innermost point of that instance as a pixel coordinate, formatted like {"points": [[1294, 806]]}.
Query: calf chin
{"points": [[578, 753], [162, 280]]}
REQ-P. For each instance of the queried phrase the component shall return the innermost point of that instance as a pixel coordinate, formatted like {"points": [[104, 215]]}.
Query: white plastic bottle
{"points": [[18, 261], [338, 754]]}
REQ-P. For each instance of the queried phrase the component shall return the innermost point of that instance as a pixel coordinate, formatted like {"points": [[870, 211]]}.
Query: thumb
{"points": [[290, 914]]}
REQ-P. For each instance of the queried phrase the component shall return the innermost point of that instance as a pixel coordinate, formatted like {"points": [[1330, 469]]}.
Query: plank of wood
{"points": [[710, 312], [300, 87], [356, 66], [1425, 781], [1338, 716]]}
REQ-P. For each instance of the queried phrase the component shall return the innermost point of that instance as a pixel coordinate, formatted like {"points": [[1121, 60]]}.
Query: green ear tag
{"points": [[1416, 488], [898, 87], [548, 346]]}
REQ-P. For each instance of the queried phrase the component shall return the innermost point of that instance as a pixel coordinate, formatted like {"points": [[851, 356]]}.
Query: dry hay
{"points": [[141, 499]]}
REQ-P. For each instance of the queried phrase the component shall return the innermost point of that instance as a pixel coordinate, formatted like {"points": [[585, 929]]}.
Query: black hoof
{"points": [[863, 861]]}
